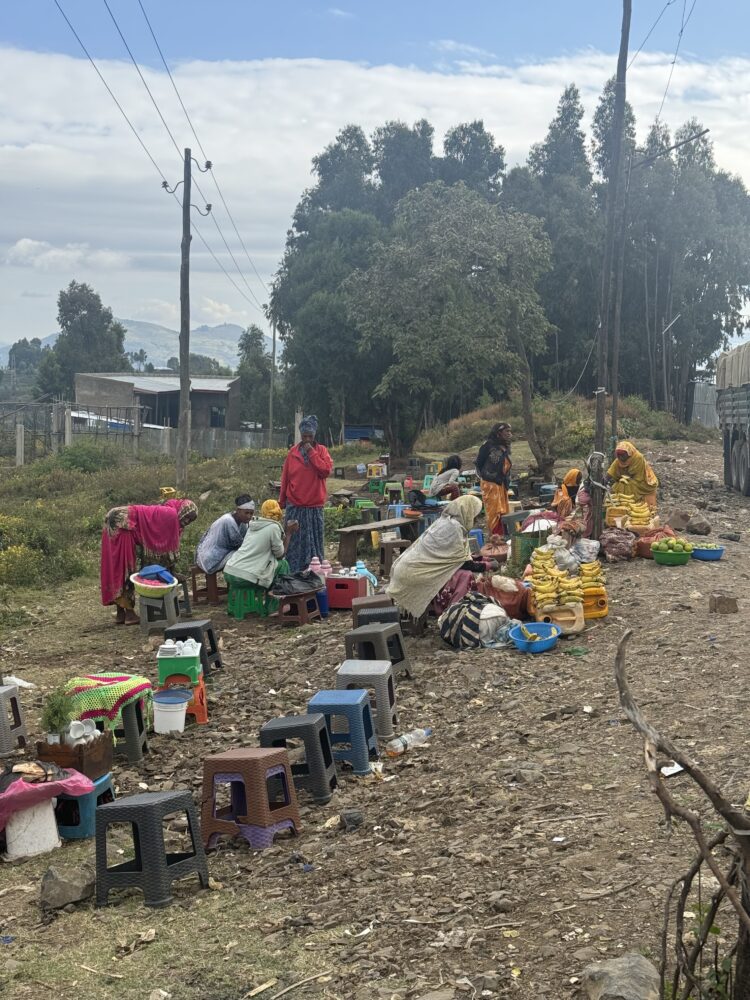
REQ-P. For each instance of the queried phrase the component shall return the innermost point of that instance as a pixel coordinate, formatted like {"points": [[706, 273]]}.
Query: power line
{"points": [[200, 144], [144, 146], [683, 25], [177, 147], [650, 31]]}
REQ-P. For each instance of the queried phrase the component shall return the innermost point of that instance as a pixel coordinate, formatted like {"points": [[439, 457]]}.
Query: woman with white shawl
{"points": [[422, 570]]}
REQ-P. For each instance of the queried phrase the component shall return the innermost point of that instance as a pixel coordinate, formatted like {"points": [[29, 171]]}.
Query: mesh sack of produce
{"points": [[643, 545], [617, 544]]}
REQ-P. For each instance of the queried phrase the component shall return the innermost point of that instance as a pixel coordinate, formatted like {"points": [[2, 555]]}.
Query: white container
{"points": [[32, 831], [169, 710]]}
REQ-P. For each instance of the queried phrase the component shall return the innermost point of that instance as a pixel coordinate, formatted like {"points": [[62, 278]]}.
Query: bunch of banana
{"points": [[637, 512], [640, 513], [570, 590], [592, 575], [544, 578]]}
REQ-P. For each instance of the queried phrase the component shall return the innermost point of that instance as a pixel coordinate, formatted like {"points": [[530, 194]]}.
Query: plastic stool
{"points": [[198, 705], [374, 601], [397, 509], [210, 592], [389, 546], [152, 870], [478, 534], [378, 616], [12, 728], [299, 609], [250, 600], [156, 610], [202, 630], [133, 733], [254, 775], [76, 814], [357, 744], [376, 677], [178, 666], [378, 642], [344, 590], [317, 773]]}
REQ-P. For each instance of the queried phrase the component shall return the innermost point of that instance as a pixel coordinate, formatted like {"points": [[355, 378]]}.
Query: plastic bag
{"points": [[564, 559], [585, 550], [288, 584], [491, 620]]}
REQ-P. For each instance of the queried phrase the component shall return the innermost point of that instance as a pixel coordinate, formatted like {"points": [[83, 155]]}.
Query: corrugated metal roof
{"points": [[165, 383]]}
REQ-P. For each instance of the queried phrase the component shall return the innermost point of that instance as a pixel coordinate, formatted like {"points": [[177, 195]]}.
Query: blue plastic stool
{"points": [[76, 814], [478, 534], [397, 509], [354, 705], [323, 606]]}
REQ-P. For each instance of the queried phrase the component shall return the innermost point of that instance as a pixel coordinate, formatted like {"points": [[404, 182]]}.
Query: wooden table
{"points": [[349, 537]]}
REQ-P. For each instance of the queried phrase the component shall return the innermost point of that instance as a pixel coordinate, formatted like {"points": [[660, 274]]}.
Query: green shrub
{"points": [[90, 456], [339, 517], [21, 566]]}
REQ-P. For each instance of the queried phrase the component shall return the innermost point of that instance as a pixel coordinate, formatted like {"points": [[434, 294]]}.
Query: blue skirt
{"points": [[306, 543]]}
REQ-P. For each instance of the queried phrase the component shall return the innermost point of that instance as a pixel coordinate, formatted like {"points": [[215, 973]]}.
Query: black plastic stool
{"points": [[378, 616], [133, 733], [317, 773], [152, 870], [202, 630], [378, 642]]}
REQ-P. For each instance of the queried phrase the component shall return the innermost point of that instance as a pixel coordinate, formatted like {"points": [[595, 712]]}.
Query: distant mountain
{"points": [[161, 343]]}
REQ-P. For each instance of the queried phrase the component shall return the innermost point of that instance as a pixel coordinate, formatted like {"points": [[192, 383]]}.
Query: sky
{"points": [[267, 86]]}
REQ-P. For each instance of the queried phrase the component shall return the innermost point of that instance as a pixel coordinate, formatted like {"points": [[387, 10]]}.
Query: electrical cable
{"points": [[177, 147], [145, 147], [650, 31], [585, 365], [683, 25], [200, 144]]}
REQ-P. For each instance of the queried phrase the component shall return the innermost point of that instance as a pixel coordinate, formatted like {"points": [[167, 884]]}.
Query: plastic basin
{"points": [[548, 631], [671, 558], [151, 590], [708, 555]]}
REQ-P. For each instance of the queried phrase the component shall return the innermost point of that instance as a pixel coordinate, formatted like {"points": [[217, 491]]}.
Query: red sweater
{"points": [[305, 485]]}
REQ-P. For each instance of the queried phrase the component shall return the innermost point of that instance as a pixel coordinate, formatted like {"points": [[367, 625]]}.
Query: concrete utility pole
{"points": [[183, 425], [613, 187], [270, 387]]}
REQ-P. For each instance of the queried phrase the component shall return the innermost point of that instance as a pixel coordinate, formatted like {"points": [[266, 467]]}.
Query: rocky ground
{"points": [[518, 846]]}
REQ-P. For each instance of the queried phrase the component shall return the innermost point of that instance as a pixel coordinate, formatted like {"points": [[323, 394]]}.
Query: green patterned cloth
{"points": [[101, 697]]}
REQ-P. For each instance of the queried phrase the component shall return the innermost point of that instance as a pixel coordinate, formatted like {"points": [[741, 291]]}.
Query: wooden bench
{"points": [[349, 537]]}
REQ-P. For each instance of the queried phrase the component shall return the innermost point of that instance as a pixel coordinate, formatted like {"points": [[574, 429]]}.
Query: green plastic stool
{"points": [[249, 599], [364, 504]]}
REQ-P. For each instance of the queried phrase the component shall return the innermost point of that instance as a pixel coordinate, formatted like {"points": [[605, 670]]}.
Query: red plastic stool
{"points": [[198, 706]]}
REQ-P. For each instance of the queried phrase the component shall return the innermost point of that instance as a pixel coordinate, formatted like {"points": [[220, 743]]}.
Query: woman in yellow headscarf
{"points": [[633, 475], [565, 496]]}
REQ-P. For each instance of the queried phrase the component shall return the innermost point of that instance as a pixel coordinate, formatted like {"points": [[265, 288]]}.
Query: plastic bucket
{"points": [[169, 710]]}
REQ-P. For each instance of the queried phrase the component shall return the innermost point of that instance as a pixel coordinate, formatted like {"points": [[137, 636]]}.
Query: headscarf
{"points": [[562, 501], [495, 430], [642, 477], [183, 509], [271, 510], [572, 478], [465, 510], [309, 425]]}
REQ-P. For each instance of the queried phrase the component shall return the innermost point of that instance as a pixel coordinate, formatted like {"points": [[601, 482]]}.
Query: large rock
{"points": [[631, 977], [720, 603], [63, 885], [698, 525], [677, 519]]}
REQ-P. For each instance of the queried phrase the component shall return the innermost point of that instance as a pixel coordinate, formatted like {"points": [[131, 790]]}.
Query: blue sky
{"points": [[268, 86], [403, 32]]}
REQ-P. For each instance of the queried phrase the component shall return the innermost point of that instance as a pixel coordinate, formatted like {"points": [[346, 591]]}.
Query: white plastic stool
{"points": [[32, 831]]}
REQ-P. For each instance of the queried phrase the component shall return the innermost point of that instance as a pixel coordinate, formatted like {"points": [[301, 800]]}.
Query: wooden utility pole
{"points": [[613, 186], [270, 387], [183, 426]]}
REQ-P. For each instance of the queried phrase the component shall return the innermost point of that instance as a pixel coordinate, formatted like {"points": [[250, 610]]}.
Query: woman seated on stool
{"points": [[565, 497], [224, 536], [260, 558], [440, 558], [444, 485]]}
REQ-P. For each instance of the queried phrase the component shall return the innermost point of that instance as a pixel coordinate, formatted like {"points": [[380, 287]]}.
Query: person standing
{"points": [[303, 495], [493, 464], [224, 536]]}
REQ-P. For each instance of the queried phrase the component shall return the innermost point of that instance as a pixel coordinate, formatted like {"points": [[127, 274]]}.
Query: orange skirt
{"points": [[495, 499]]}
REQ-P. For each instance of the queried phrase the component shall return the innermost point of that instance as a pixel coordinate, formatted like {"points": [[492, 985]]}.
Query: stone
{"points": [[698, 525], [630, 977], [677, 519], [438, 995], [723, 604], [501, 902], [351, 819], [62, 886], [731, 536]]}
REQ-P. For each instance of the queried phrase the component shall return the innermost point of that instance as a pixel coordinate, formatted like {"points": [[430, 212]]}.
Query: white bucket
{"points": [[169, 710], [32, 831]]}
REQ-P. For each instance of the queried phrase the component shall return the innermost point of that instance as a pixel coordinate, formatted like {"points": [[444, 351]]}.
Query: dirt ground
{"points": [[497, 861]]}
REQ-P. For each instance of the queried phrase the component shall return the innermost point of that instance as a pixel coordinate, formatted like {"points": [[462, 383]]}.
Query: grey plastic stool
{"points": [[204, 633], [378, 642], [373, 676], [12, 728], [317, 773], [378, 616], [133, 733], [374, 601], [154, 611], [152, 870]]}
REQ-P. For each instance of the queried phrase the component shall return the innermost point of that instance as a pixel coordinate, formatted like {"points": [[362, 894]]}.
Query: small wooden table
{"points": [[348, 537]]}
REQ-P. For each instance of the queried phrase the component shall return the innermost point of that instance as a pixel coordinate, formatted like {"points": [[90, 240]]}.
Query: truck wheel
{"points": [[736, 449], [744, 468], [727, 461]]}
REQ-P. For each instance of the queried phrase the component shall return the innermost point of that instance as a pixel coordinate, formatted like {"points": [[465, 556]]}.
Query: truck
{"points": [[733, 405]]}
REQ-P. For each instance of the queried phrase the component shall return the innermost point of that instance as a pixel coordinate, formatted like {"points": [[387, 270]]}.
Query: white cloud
{"points": [[81, 200], [159, 311], [40, 254], [338, 12], [452, 47]]}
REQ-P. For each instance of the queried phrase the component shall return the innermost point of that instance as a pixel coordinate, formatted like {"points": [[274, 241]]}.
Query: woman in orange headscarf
{"points": [[633, 475], [565, 496]]}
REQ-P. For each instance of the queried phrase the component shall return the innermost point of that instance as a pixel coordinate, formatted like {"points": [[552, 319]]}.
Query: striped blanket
{"points": [[101, 697]]}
